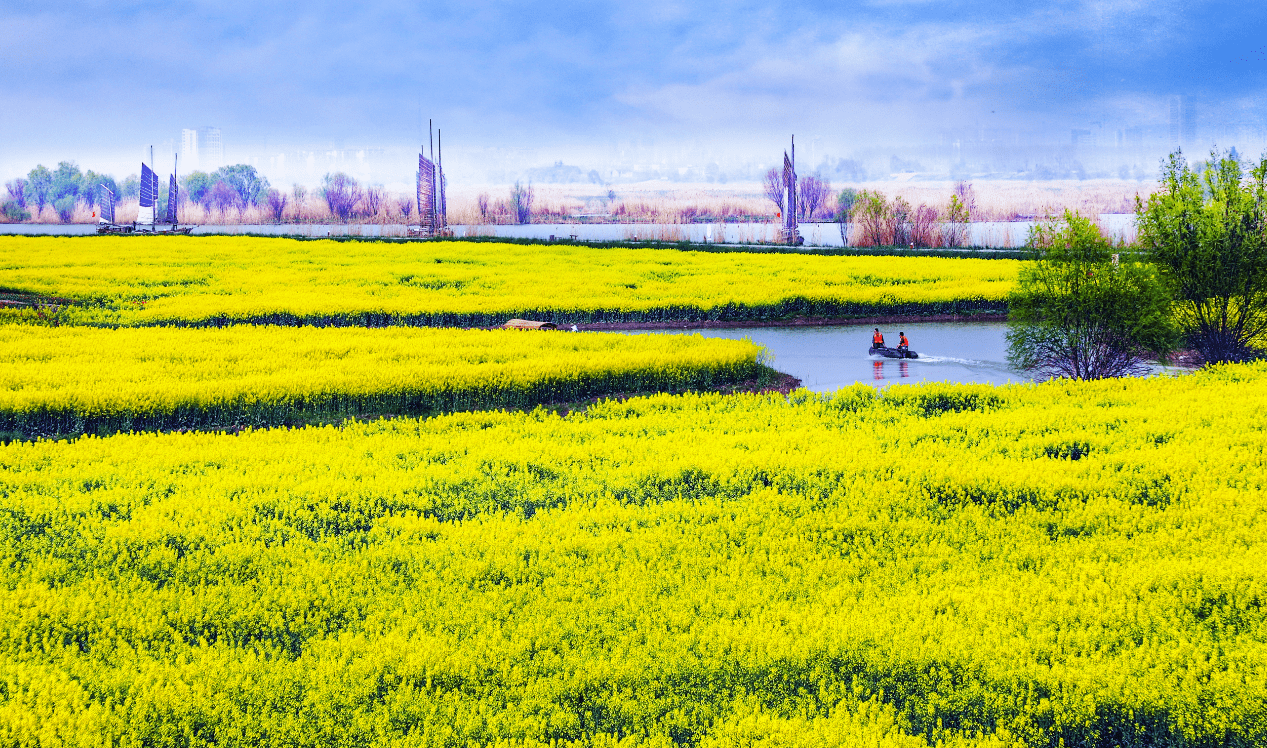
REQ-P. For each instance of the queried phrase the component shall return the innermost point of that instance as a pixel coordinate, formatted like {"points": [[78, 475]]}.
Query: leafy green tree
{"points": [[89, 188], [13, 212], [1207, 229], [39, 183], [873, 218], [65, 207], [131, 186], [1078, 313], [844, 210], [252, 188], [958, 217], [67, 179], [195, 186]]}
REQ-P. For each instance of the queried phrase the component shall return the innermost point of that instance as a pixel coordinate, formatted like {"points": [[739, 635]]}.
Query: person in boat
{"points": [[903, 344], [877, 339]]}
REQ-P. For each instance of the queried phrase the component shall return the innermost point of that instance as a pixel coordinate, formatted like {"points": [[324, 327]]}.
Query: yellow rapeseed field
{"points": [[73, 380], [214, 280], [1072, 563]]}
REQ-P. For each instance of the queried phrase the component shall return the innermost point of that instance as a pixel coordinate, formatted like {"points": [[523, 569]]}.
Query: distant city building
{"points": [[1183, 122], [189, 149], [210, 148]]}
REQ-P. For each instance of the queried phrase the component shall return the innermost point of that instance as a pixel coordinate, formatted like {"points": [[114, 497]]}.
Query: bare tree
{"points": [[483, 203], [17, 190], [222, 197], [813, 196], [276, 204], [925, 229], [521, 202], [342, 193], [298, 194], [900, 215], [406, 207], [774, 188], [373, 200]]}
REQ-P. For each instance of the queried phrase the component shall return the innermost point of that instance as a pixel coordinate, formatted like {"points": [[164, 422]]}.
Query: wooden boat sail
{"points": [[432, 210], [105, 220], [173, 199], [147, 212], [107, 206], [791, 231]]}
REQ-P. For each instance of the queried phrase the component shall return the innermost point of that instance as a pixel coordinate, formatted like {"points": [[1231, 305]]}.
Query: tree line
{"points": [[1196, 279], [61, 188], [229, 188]]}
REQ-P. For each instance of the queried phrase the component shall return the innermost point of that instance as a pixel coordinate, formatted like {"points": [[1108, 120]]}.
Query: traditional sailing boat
{"points": [[791, 231], [147, 217], [433, 217]]}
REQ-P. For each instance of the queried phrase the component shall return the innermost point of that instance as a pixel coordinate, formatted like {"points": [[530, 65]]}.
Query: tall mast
{"points": [[434, 196], [444, 208]]}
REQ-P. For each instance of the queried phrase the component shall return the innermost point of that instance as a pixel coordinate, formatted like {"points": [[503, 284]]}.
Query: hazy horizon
{"points": [[636, 91]]}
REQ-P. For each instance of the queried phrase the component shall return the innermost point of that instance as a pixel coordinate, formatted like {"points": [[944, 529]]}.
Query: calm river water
{"points": [[828, 358]]}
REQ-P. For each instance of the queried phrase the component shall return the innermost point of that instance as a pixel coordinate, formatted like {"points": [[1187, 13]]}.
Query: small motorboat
{"points": [[887, 352]]}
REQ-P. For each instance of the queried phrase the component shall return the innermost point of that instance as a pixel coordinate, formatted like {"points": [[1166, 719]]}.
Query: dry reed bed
{"points": [[664, 203]]}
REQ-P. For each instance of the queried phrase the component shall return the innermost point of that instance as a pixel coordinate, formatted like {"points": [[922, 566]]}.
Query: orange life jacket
{"points": [[877, 340], [904, 342]]}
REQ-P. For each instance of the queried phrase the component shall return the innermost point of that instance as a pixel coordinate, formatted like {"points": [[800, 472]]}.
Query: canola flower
{"points": [[74, 380], [221, 280], [1071, 563]]}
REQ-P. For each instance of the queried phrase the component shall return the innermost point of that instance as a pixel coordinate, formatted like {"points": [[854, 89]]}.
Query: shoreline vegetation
{"points": [[646, 202]]}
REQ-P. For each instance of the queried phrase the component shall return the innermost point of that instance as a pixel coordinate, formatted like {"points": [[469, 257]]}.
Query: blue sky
{"points": [[91, 80]]}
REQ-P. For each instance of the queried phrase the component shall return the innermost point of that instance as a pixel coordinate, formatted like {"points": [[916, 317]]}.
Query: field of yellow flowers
{"points": [[1076, 564], [66, 381], [221, 280]]}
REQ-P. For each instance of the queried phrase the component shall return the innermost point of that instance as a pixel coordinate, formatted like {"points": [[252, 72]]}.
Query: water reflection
{"points": [[828, 358]]}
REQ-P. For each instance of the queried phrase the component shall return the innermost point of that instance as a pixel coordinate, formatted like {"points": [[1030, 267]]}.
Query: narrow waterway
{"points": [[828, 358]]}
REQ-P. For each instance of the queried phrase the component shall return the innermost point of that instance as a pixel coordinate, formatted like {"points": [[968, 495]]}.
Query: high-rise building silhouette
{"points": [[1183, 122], [210, 147], [189, 149]]}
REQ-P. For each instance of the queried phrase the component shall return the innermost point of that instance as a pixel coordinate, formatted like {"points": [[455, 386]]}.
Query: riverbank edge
{"points": [[788, 313], [980, 252], [793, 322]]}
